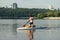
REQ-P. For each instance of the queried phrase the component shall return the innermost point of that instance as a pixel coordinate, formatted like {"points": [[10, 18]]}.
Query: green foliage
{"points": [[40, 16], [56, 13], [24, 12], [49, 14]]}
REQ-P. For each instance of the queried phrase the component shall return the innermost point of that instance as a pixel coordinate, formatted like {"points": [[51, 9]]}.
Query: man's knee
{"points": [[33, 25]]}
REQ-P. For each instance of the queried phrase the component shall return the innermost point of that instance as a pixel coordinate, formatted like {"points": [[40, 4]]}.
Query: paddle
{"points": [[25, 24]]}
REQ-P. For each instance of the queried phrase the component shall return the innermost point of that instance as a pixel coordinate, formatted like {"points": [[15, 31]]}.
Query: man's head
{"points": [[30, 15]]}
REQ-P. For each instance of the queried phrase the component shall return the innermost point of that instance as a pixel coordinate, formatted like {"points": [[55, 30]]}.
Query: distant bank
{"points": [[45, 18], [52, 18], [16, 18]]}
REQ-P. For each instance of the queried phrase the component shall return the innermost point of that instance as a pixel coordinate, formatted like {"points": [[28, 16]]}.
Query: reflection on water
{"points": [[8, 30]]}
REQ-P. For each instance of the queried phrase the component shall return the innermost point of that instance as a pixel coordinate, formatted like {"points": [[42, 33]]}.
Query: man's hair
{"points": [[30, 15]]}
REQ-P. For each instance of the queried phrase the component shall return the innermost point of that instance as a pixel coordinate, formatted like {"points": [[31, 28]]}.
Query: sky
{"points": [[31, 3]]}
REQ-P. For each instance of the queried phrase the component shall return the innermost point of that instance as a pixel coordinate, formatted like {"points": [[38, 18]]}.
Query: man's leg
{"points": [[31, 33]]}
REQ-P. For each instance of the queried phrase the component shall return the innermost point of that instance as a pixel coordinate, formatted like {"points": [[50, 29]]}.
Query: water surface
{"points": [[8, 30]]}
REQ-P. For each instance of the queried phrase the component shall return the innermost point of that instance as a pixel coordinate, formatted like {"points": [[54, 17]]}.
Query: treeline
{"points": [[9, 13], [49, 13]]}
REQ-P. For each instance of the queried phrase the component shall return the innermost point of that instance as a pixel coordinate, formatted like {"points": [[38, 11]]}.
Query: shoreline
{"points": [[51, 18], [46, 18]]}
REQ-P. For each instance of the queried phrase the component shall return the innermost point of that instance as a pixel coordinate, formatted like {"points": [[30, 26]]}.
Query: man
{"points": [[30, 21], [31, 25]]}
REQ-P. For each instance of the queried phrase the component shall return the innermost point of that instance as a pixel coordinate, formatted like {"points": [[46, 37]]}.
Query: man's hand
{"points": [[23, 25]]}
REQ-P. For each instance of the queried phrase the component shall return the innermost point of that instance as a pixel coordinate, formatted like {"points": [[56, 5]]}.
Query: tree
{"points": [[56, 13], [40, 16], [49, 14]]}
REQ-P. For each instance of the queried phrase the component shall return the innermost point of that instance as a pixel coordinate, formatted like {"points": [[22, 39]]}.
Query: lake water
{"points": [[8, 30]]}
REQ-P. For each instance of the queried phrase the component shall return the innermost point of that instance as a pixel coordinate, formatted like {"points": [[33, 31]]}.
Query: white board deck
{"points": [[23, 28]]}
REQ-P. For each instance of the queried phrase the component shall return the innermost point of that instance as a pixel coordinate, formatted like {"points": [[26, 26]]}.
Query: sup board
{"points": [[23, 28]]}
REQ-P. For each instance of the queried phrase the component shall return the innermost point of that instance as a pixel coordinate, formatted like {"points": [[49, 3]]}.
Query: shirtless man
{"points": [[31, 25], [30, 21]]}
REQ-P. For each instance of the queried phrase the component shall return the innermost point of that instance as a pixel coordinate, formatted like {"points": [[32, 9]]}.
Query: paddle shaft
{"points": [[25, 24]]}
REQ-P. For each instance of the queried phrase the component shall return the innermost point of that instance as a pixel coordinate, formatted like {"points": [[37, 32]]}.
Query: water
{"points": [[8, 30]]}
